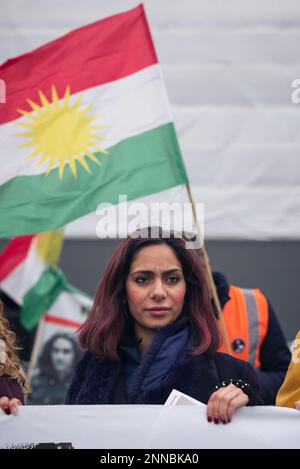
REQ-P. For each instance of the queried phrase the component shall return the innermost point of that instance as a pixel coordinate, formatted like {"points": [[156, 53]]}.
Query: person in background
{"points": [[289, 393], [255, 334], [56, 365], [26, 339], [151, 330], [12, 381]]}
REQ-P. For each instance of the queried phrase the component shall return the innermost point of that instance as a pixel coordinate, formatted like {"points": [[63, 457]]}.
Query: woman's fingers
{"points": [[14, 405], [219, 401], [297, 405], [9, 406], [224, 402], [4, 404], [225, 406], [212, 410], [210, 407], [240, 401]]}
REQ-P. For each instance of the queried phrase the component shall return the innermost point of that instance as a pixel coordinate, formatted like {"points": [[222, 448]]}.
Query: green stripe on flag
{"points": [[138, 166], [41, 296]]}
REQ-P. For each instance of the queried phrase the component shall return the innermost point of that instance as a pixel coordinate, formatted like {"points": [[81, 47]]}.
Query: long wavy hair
{"points": [[45, 362], [104, 328], [11, 366]]}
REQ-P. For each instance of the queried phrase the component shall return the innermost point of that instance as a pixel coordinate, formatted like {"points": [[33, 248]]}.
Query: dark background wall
{"points": [[274, 267]]}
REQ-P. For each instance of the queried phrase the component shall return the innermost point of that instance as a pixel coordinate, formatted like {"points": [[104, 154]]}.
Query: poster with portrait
{"points": [[56, 351]]}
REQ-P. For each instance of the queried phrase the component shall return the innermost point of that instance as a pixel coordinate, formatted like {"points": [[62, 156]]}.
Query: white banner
{"points": [[147, 426]]}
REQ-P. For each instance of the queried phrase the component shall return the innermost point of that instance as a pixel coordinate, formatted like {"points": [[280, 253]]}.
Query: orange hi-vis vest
{"points": [[246, 318]]}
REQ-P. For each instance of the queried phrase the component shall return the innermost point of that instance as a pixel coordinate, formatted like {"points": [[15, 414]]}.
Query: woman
{"points": [[289, 393], [12, 382], [151, 329]]}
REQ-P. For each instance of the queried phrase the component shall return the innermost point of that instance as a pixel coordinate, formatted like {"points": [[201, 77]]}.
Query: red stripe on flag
{"points": [[61, 321], [13, 254], [92, 55]]}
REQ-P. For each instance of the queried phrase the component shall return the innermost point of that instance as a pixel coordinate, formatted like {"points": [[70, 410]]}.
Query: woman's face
{"points": [[62, 355], [155, 287]]}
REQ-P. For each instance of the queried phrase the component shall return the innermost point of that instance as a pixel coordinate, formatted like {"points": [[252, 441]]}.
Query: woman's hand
{"points": [[297, 405], [224, 402], [9, 406]]}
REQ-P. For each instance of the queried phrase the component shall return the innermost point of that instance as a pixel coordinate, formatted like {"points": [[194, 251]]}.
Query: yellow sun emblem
{"points": [[61, 133]]}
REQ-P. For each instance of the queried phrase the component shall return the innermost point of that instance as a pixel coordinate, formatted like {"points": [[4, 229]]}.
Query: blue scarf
{"points": [[163, 354]]}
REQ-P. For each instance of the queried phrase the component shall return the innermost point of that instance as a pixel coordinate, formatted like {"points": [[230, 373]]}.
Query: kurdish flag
{"points": [[87, 118], [28, 274]]}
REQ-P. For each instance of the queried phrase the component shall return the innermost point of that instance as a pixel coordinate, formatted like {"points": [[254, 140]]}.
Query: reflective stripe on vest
{"points": [[246, 319], [253, 322]]}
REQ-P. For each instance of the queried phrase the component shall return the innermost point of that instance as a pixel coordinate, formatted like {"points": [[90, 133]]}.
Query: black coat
{"points": [[101, 381]]}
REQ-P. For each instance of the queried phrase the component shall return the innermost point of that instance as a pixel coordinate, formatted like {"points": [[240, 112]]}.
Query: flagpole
{"points": [[35, 349], [51, 243], [210, 278]]}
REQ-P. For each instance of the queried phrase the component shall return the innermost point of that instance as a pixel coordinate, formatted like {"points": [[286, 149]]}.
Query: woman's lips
{"points": [[158, 311]]}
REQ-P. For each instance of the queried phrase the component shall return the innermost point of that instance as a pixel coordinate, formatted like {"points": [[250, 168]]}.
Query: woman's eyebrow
{"points": [[171, 271], [150, 272]]}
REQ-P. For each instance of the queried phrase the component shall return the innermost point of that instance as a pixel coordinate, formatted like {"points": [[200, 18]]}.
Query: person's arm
{"points": [[275, 358], [11, 395], [289, 393]]}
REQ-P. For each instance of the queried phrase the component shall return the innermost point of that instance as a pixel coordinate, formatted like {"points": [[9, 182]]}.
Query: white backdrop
{"points": [[228, 66], [149, 427]]}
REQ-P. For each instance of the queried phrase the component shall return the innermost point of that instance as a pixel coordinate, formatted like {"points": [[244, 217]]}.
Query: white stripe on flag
{"points": [[24, 276], [128, 107]]}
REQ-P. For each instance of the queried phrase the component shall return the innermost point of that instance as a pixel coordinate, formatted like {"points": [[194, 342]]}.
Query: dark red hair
{"points": [[103, 330]]}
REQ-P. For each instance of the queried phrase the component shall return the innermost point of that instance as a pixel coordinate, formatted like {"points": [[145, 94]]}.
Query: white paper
{"points": [[179, 398]]}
